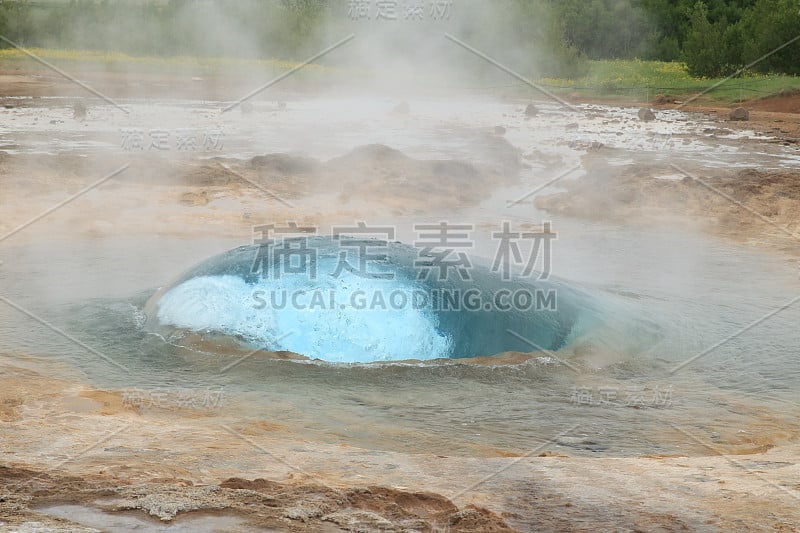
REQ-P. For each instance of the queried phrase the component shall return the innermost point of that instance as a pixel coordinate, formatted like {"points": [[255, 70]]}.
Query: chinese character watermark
{"points": [[360, 248], [406, 10], [509, 254], [181, 140], [636, 397], [290, 254], [164, 398], [442, 250]]}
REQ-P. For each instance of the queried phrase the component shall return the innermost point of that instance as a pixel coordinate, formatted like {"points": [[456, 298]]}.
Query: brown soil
{"points": [[748, 205], [33, 79], [64, 443], [260, 503], [777, 116], [176, 195], [786, 102], [68, 444]]}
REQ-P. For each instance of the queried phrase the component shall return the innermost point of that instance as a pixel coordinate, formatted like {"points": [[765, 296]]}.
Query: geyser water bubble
{"points": [[320, 299]]}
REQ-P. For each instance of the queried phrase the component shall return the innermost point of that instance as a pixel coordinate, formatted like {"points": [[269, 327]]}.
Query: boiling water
{"points": [[619, 407], [326, 309]]}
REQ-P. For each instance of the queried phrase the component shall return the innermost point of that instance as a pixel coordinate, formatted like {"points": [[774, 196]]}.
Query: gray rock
{"points": [[646, 114], [79, 110], [531, 111], [740, 113], [357, 520], [167, 502]]}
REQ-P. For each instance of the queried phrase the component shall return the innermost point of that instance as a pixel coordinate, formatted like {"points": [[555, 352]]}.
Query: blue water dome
{"points": [[374, 302]]}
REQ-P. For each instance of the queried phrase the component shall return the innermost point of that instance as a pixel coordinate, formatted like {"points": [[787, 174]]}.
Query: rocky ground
{"points": [[80, 456]]}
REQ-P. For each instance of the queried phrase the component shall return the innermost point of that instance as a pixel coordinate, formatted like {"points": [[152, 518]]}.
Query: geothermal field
{"points": [[342, 296]]}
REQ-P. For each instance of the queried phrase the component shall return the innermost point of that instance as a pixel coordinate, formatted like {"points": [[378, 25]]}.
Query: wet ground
{"points": [[696, 357]]}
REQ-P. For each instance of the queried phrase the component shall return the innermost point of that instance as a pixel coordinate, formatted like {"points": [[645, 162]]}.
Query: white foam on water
{"points": [[325, 321]]}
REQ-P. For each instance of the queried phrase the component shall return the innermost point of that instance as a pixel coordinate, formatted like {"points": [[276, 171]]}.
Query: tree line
{"points": [[713, 37]]}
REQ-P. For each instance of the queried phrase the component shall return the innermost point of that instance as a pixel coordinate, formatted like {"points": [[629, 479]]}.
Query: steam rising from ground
{"points": [[398, 45]]}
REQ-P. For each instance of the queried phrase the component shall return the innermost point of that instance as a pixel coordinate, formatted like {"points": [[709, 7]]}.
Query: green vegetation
{"points": [[764, 37], [631, 48], [643, 80], [713, 37], [88, 60], [245, 28]]}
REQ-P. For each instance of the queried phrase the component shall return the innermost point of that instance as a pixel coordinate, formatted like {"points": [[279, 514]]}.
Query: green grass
{"points": [[109, 58], [115, 62], [642, 80], [628, 80]]}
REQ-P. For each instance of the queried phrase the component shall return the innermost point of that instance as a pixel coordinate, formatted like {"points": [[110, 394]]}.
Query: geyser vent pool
{"points": [[363, 306]]}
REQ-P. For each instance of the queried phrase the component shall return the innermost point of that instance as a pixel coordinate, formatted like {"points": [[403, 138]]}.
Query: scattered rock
{"points": [[581, 443], [548, 453], [717, 131], [259, 484], [195, 198], [500, 130], [79, 110], [281, 105], [356, 520], [283, 164], [167, 502], [531, 111], [740, 114], [402, 108], [302, 513], [474, 518], [646, 114]]}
